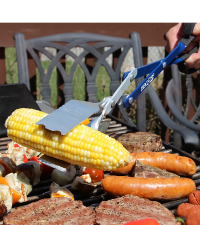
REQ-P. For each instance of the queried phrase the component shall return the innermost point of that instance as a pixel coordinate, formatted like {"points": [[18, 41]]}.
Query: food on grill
{"points": [[145, 171], [131, 208], [79, 184], [85, 122], [45, 168], [32, 170], [172, 163], [6, 200], [140, 141], [189, 211], [26, 182], [193, 219], [25, 159], [151, 188], [82, 145], [2, 171], [143, 222], [8, 165], [52, 211], [86, 178], [18, 186], [194, 198], [18, 152], [96, 175], [15, 195], [185, 209], [63, 178], [37, 171], [58, 192]]}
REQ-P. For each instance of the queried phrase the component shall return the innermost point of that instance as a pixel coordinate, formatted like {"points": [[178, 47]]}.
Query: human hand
{"points": [[175, 34]]}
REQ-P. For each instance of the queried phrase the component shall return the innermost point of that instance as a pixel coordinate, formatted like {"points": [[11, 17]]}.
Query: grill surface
{"points": [[93, 199]]}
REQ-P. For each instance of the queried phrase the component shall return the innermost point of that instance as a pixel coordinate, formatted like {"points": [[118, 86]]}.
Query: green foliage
{"points": [[103, 83], [11, 65], [78, 81], [53, 83]]}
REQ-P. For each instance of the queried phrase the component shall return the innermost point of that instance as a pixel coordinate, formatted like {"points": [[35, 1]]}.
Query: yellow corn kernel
{"points": [[82, 145]]}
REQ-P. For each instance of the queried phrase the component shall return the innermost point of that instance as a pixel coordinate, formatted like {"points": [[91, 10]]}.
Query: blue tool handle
{"points": [[125, 75], [141, 87], [144, 70], [153, 70]]}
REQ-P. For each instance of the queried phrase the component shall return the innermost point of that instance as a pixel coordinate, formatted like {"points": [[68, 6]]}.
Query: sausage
{"points": [[151, 188], [194, 198], [185, 209], [173, 163], [191, 212]]}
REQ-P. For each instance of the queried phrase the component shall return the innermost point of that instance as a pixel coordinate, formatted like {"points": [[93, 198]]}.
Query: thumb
{"points": [[196, 30]]}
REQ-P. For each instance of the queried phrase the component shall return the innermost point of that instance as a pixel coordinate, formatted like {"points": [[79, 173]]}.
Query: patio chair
{"points": [[92, 44], [174, 101]]}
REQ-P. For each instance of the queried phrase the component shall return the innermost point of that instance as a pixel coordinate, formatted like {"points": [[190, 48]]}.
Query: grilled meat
{"points": [[145, 171], [52, 211], [130, 208], [139, 141]]}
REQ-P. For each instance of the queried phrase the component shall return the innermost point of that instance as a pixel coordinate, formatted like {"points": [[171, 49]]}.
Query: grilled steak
{"points": [[145, 171], [52, 211], [131, 208], [139, 141]]}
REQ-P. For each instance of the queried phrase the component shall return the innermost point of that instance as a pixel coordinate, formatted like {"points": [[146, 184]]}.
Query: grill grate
{"points": [[93, 199]]}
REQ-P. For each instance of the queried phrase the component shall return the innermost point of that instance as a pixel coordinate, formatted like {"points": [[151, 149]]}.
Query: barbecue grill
{"points": [[97, 195]]}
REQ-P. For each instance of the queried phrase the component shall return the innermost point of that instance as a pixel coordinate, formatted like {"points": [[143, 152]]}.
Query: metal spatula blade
{"points": [[69, 115]]}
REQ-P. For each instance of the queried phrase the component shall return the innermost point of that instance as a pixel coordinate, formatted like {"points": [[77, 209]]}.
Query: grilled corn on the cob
{"points": [[82, 145]]}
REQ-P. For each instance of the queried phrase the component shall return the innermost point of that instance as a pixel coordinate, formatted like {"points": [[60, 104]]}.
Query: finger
{"points": [[196, 30], [173, 36], [194, 60]]}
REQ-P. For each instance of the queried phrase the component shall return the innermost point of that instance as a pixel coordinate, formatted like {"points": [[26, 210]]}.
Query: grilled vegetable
{"points": [[16, 185], [59, 192], [8, 165], [82, 145], [37, 170], [45, 168], [79, 184], [86, 178], [2, 171], [26, 182], [96, 175], [143, 222], [25, 159], [32, 170], [63, 178], [15, 195], [178, 219], [85, 122], [6, 200]]}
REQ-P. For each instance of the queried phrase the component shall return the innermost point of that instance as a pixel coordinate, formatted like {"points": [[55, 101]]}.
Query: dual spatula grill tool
{"points": [[74, 112]]}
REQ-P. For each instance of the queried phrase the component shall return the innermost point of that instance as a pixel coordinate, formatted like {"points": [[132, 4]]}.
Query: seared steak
{"points": [[131, 208], [145, 171], [52, 211], [139, 141]]}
